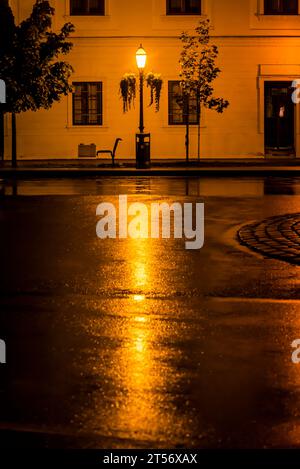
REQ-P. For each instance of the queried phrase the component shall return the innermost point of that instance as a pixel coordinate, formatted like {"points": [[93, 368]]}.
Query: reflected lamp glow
{"points": [[141, 58], [139, 298]]}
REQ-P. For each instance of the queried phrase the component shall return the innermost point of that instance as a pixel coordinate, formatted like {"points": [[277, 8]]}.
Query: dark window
{"points": [[281, 7], [87, 104], [87, 7], [183, 7], [178, 108]]}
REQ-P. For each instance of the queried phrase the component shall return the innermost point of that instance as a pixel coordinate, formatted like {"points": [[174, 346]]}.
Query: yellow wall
{"points": [[253, 48]]}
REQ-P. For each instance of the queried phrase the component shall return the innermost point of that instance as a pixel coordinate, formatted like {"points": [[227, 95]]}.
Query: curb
{"points": [[117, 172]]}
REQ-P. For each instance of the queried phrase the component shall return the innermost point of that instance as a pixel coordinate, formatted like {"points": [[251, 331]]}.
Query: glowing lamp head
{"points": [[141, 58]]}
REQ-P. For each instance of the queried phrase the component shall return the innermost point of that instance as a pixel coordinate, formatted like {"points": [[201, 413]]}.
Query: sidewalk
{"points": [[167, 167]]}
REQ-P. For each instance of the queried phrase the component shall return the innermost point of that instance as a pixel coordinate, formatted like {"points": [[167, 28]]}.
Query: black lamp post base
{"points": [[143, 151]]}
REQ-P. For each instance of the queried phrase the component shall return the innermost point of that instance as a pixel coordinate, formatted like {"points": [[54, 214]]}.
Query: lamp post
{"points": [[142, 139], [141, 60]]}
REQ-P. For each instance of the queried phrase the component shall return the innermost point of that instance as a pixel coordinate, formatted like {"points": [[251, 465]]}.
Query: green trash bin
{"points": [[143, 149]]}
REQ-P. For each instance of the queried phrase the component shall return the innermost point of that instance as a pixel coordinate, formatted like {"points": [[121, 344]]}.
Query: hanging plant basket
{"points": [[154, 82], [128, 90]]}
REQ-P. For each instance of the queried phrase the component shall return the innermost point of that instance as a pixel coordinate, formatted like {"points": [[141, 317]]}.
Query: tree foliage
{"points": [[31, 62], [199, 69], [7, 27], [32, 68], [7, 40], [198, 72]]}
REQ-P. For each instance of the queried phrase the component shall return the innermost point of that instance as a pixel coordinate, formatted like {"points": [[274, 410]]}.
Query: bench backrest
{"points": [[118, 140]]}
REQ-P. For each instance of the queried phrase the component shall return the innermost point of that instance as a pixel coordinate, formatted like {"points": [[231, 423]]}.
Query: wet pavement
{"points": [[141, 343]]}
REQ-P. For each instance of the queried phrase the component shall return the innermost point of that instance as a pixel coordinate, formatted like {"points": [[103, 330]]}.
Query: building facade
{"points": [[259, 45]]}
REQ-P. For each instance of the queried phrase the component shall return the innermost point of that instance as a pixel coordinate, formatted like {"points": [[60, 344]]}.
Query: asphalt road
{"points": [[141, 343]]}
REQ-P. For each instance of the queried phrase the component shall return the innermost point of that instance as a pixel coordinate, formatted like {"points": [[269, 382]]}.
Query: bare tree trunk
{"points": [[199, 129], [187, 121], [13, 140], [187, 143], [199, 142]]}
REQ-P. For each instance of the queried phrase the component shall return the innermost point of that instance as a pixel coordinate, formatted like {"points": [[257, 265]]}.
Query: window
{"points": [[87, 104], [177, 107], [281, 7], [183, 7], [87, 7]]}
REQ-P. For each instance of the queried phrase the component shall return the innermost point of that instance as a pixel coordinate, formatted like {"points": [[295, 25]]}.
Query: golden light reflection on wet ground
{"points": [[154, 397], [138, 343], [143, 362]]}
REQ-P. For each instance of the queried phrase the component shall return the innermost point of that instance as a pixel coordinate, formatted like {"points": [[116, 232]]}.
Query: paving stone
{"points": [[276, 237]]}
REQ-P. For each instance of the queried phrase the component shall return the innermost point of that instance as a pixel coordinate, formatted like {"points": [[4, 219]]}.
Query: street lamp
{"points": [[142, 140], [141, 60]]}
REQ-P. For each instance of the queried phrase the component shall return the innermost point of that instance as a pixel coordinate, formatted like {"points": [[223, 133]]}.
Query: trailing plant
{"points": [[154, 82], [128, 90]]}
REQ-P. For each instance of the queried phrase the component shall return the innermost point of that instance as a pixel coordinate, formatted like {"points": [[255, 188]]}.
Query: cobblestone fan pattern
{"points": [[276, 237]]}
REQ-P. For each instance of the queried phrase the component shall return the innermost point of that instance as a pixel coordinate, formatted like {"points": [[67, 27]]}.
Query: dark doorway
{"points": [[279, 118]]}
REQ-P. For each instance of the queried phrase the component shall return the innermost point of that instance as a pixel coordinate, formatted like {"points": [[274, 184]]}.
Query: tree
{"points": [[7, 34], [198, 71], [35, 75]]}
